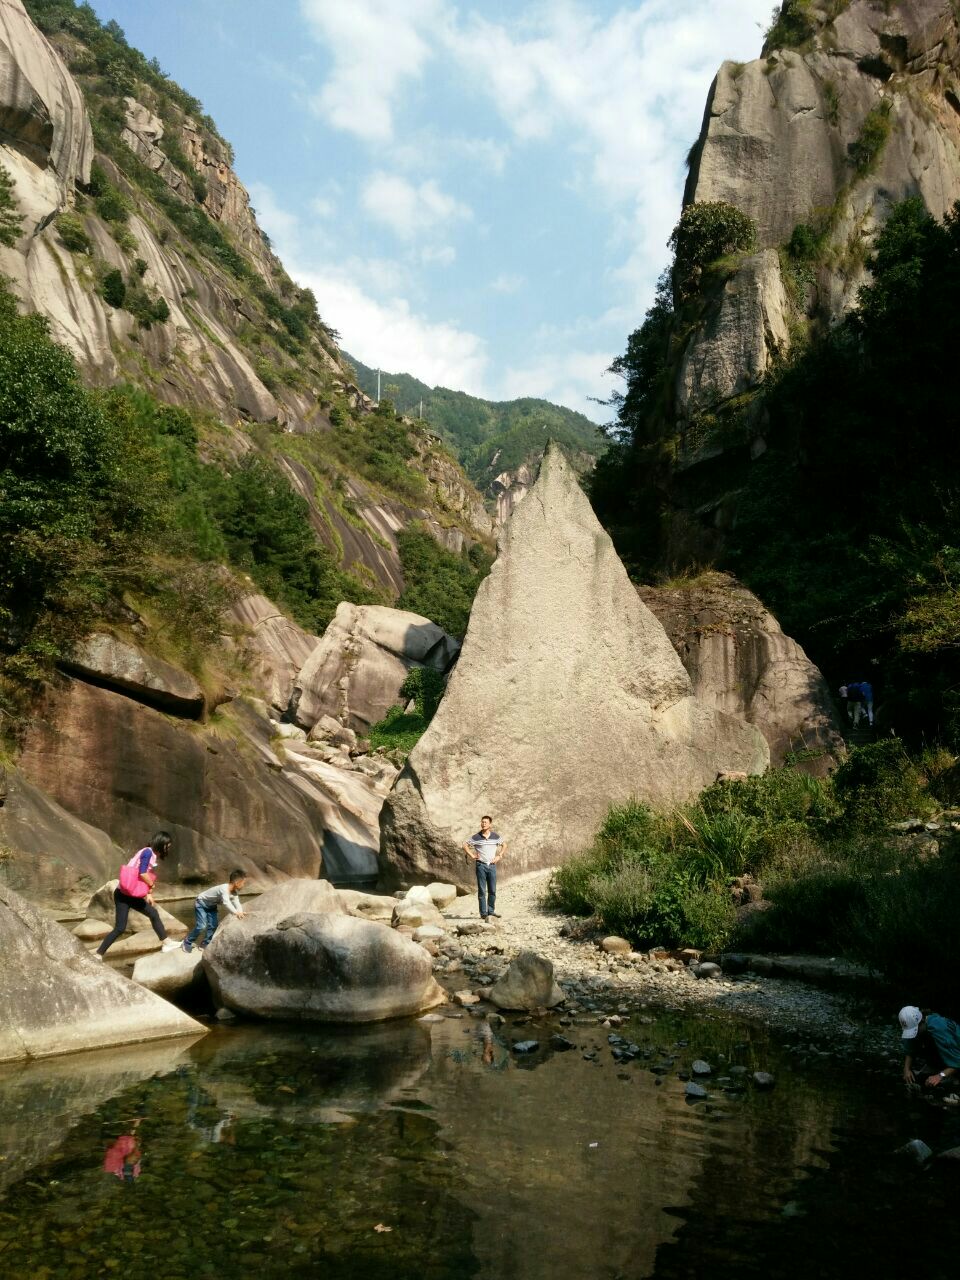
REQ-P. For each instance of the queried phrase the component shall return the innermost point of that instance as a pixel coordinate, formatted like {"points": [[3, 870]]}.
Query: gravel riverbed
{"points": [[599, 984]]}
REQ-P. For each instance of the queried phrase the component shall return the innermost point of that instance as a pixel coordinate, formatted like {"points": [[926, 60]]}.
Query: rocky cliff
{"points": [[567, 697], [140, 246], [853, 106]]}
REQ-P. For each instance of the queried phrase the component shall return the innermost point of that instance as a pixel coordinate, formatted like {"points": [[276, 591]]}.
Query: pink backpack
{"points": [[130, 882]]}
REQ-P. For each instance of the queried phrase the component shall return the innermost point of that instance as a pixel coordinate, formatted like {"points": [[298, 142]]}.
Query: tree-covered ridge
{"points": [[840, 479], [487, 436]]}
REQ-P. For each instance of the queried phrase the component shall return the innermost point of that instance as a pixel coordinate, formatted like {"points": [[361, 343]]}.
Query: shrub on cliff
{"points": [[80, 497], [439, 584], [10, 217], [707, 231]]}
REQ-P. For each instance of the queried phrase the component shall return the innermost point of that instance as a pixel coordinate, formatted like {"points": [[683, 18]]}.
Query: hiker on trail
{"points": [[934, 1039], [859, 697], [486, 848], [208, 905], [134, 892]]}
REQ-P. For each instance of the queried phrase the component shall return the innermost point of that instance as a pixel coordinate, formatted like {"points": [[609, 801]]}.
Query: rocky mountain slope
{"points": [[140, 246], [852, 107], [499, 443]]}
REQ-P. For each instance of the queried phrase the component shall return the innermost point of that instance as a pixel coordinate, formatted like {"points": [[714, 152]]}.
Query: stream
{"points": [[432, 1149]]}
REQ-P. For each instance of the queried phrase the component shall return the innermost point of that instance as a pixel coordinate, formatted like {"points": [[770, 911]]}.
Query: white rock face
{"points": [[568, 697], [55, 999], [168, 973], [124, 666], [355, 672], [274, 646], [775, 143], [740, 661], [47, 143], [740, 338]]}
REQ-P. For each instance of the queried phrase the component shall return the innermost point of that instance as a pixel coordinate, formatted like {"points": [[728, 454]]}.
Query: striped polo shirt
{"points": [[486, 846]]}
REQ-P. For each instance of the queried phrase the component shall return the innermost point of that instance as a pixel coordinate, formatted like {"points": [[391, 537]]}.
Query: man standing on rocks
{"points": [[486, 848]]}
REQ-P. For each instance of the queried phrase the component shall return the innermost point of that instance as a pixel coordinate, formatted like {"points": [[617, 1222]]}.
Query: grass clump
{"points": [[400, 730], [831, 867], [865, 151]]}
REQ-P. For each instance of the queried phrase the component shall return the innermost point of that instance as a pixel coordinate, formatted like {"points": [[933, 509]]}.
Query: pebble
{"points": [[526, 1046], [695, 1091], [701, 1068], [595, 983]]}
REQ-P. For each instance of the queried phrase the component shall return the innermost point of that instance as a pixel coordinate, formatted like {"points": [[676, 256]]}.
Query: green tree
{"points": [[10, 217]]}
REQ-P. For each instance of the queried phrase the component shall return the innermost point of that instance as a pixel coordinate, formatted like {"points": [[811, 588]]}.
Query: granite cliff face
{"points": [[567, 697], [239, 339], [827, 135]]}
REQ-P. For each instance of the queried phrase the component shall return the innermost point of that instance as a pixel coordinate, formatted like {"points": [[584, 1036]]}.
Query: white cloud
{"points": [[506, 283], [388, 334], [409, 210], [377, 47], [575, 378], [444, 255], [362, 299]]}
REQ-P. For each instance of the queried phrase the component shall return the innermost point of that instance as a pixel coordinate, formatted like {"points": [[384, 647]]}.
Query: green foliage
{"points": [[438, 584], [112, 289], [80, 497], [707, 231], [10, 217], [486, 437], [72, 233], [865, 151], [401, 730], [378, 448], [878, 784], [425, 686], [112, 205], [791, 26], [398, 731]]}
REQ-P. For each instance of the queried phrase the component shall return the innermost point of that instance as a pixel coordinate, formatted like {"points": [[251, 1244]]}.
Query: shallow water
{"points": [[433, 1150]]}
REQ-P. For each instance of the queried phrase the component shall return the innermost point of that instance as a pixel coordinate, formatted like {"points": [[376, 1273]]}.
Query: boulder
{"points": [[272, 646], [170, 973], [324, 968], [558, 637], [527, 984], [428, 933], [52, 856], [416, 914], [616, 946], [355, 672], [367, 906], [291, 897], [101, 907], [740, 661], [54, 998], [91, 930], [707, 970], [443, 895], [123, 666]]}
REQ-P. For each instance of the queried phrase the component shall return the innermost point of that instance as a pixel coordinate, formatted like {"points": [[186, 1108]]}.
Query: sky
{"points": [[479, 192]]}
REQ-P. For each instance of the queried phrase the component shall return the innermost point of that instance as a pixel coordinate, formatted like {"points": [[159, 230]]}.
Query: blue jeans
{"points": [[487, 887], [207, 919]]}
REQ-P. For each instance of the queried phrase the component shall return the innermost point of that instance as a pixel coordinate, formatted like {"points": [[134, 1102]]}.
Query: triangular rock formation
{"points": [[568, 697]]}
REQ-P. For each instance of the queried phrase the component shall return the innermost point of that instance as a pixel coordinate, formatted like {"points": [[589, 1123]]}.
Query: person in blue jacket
{"points": [[859, 697], [930, 1036]]}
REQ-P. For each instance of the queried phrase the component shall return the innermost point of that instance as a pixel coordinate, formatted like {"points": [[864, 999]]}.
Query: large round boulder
{"points": [[527, 984], [327, 967]]}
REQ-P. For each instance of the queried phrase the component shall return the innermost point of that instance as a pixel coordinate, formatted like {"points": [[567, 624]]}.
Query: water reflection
{"points": [[433, 1149]]}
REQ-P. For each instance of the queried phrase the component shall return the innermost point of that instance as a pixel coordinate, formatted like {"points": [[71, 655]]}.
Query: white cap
{"points": [[910, 1019]]}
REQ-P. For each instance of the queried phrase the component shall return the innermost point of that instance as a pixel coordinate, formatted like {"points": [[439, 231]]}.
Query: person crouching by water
{"points": [[931, 1037], [134, 892], [486, 848], [207, 907]]}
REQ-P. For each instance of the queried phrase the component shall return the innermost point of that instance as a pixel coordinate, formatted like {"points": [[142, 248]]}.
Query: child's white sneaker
{"points": [[170, 945]]}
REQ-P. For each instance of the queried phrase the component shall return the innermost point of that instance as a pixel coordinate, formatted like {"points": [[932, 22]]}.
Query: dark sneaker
{"points": [[186, 946], [495, 915]]}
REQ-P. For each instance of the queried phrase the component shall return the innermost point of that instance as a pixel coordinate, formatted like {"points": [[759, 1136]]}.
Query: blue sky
{"points": [[478, 193]]}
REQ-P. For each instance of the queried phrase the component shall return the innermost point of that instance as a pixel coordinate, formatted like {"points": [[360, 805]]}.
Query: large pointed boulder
{"points": [[568, 697]]}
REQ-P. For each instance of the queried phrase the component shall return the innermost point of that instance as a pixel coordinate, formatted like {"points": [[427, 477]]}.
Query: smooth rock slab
{"points": [[168, 973], [55, 999], [321, 968], [527, 984]]}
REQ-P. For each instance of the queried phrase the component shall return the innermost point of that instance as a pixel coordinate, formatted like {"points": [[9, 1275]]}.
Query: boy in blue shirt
{"points": [[930, 1035]]}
